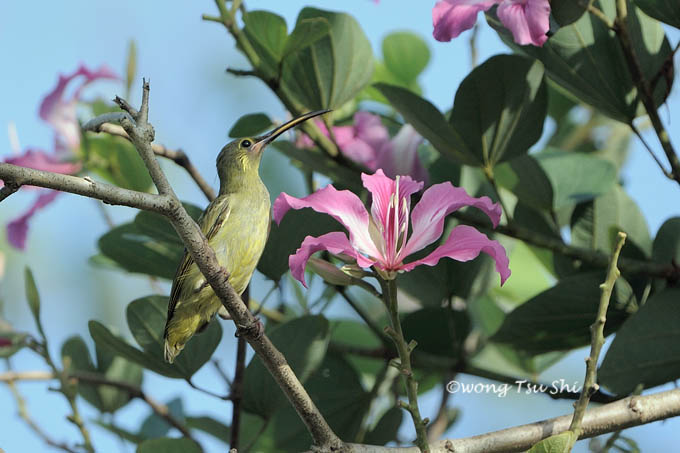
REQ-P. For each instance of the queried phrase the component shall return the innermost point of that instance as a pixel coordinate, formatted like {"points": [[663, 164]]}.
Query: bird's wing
{"points": [[210, 222]]}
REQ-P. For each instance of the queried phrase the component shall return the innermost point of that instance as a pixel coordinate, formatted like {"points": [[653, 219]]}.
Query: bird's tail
{"points": [[171, 350]]}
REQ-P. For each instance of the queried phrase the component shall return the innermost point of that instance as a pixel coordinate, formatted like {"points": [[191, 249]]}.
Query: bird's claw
{"points": [[254, 330]]}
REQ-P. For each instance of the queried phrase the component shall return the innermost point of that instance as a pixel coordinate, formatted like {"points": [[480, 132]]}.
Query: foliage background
{"points": [[194, 104]]}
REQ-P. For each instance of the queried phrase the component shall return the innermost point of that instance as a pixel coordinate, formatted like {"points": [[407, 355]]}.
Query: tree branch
{"points": [[97, 379], [179, 157], [622, 414]]}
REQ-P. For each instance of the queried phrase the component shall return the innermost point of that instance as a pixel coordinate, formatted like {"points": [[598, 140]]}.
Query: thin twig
{"points": [[97, 379], [178, 156], [375, 328], [597, 341], [237, 383], [635, 130], [8, 189]]}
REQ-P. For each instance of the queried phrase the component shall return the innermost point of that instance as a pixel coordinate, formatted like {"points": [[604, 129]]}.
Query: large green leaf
{"points": [[285, 238], [386, 429], [210, 425], [313, 159], [666, 247], [331, 70], [156, 426], [566, 12], [303, 341], [667, 11], [586, 59], [500, 108], [146, 319], [647, 347], [267, 33], [343, 407], [250, 125], [559, 318], [595, 224], [525, 177], [305, 33], [106, 340], [169, 445], [439, 331], [429, 122], [148, 245], [575, 177], [105, 398], [117, 161], [405, 54]]}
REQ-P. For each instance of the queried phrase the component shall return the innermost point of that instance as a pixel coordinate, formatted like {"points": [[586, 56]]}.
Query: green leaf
{"points": [[267, 32], [429, 122], [285, 238], [11, 342], [567, 12], [146, 319], [586, 59], [440, 331], [303, 341], [343, 408], [525, 177], [646, 348], [575, 177], [387, 428], [106, 398], [405, 54], [149, 245], [345, 332], [666, 247], [595, 224], [211, 426], [500, 108], [156, 426], [250, 125], [559, 318], [116, 160], [121, 432], [306, 33], [667, 11], [559, 443], [33, 297], [313, 159], [333, 69], [169, 445], [107, 341]]}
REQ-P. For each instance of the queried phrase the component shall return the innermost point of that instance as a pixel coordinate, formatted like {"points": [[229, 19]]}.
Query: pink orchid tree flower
{"points": [[381, 239], [58, 110], [368, 143], [527, 20]]}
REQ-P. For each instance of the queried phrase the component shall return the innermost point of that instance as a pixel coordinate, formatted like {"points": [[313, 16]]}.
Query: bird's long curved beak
{"points": [[266, 139]]}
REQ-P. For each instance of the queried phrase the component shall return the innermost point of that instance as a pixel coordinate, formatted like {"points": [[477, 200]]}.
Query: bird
{"points": [[236, 224]]}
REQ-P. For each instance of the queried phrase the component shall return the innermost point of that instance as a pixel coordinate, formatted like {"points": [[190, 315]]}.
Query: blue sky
{"points": [[193, 105]]}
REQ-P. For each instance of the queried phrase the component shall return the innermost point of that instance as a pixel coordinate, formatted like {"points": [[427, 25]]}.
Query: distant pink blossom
{"points": [[5, 342], [58, 110], [368, 143], [381, 239], [527, 20]]}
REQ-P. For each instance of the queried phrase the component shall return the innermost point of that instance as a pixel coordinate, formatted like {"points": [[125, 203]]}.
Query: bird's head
{"points": [[240, 159]]}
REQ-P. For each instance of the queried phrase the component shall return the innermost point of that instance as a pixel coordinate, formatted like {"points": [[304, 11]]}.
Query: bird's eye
{"points": [[246, 143]]}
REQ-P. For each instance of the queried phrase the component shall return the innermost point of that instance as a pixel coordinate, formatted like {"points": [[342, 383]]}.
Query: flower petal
{"points": [[451, 17], [465, 243], [40, 160], [342, 205], [528, 20], [335, 242], [382, 188], [438, 201], [17, 229], [400, 155], [61, 113]]}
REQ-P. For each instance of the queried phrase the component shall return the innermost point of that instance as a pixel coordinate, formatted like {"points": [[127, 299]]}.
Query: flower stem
{"points": [[404, 349]]}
